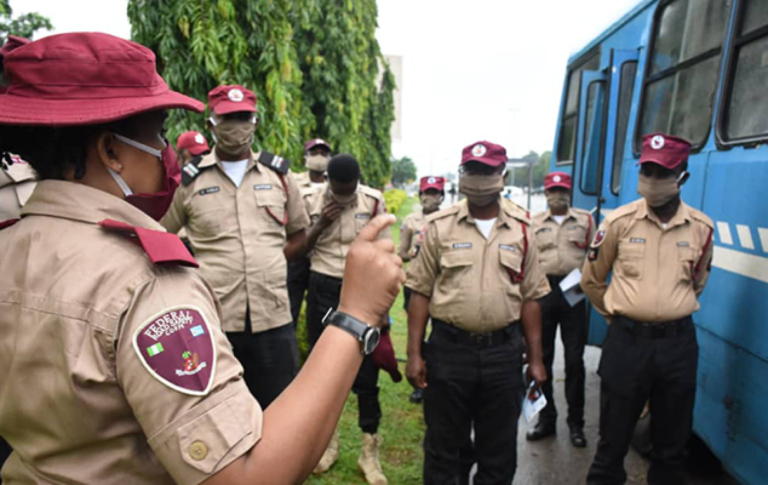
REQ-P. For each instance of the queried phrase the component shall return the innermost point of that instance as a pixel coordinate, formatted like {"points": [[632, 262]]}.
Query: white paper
{"points": [[571, 289], [534, 402]]}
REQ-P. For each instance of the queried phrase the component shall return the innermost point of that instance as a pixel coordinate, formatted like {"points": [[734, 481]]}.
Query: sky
{"points": [[471, 70]]}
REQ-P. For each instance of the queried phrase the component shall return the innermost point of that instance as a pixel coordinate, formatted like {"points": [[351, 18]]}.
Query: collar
{"points": [[78, 202], [502, 218], [682, 216], [213, 159]]}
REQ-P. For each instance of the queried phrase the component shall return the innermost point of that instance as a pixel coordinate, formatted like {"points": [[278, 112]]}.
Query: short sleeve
{"points": [[179, 376], [422, 272], [297, 213], [535, 284]]}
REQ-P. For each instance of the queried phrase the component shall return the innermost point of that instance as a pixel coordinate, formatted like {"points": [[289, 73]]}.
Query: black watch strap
{"points": [[367, 335]]}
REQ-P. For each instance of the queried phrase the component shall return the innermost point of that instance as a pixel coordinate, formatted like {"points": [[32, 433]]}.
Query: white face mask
{"points": [[316, 185], [139, 146]]}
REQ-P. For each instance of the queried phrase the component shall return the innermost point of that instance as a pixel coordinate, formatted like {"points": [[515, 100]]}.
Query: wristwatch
{"points": [[367, 335]]}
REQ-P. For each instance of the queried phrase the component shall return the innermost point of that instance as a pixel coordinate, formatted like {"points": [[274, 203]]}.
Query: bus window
{"points": [[681, 79], [566, 150], [593, 138], [626, 88], [747, 105]]}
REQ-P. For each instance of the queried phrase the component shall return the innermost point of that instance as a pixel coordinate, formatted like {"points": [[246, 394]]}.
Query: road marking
{"points": [[749, 265], [745, 237], [724, 232]]}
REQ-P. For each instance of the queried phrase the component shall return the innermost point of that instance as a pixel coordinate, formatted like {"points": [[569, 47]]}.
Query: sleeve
{"points": [[600, 258], [704, 264], [405, 241], [179, 376], [176, 217], [535, 284], [422, 273], [297, 214]]}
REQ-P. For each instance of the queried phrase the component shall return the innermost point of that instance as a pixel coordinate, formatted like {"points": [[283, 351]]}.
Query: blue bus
{"points": [[697, 69]]}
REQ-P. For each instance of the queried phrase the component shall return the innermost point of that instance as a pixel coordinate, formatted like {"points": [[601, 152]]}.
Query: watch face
{"points": [[371, 340]]}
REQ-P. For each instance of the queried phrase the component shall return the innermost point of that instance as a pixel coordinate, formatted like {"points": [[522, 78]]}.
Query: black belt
{"points": [[474, 339], [655, 330]]}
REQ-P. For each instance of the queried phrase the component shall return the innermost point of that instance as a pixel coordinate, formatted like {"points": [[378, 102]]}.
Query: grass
{"points": [[402, 424]]}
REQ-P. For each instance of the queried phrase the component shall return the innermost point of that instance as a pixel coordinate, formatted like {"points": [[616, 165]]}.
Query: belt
{"points": [[473, 339], [655, 330]]}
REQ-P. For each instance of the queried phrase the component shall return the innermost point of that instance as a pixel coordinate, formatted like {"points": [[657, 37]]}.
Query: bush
{"points": [[394, 199]]}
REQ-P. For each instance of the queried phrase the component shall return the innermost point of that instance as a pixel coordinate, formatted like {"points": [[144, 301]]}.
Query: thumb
{"points": [[371, 231]]}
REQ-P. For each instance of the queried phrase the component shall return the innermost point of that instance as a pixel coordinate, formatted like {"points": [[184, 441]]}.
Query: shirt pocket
{"points": [[577, 237], [631, 259], [456, 271], [272, 203], [685, 262], [206, 213], [512, 264], [546, 239]]}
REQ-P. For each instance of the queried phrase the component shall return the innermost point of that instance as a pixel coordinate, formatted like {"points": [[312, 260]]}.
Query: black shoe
{"points": [[417, 396], [540, 431], [577, 438]]}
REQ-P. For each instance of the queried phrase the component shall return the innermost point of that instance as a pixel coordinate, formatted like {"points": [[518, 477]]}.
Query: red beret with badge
{"points": [[431, 183], [231, 99], [316, 142], [194, 142], [484, 152], [558, 179], [665, 150]]}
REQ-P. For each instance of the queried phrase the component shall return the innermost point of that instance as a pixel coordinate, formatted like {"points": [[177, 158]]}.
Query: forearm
{"points": [[531, 317], [418, 315], [295, 246]]}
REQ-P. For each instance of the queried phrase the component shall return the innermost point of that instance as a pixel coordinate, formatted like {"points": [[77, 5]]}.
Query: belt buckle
{"points": [[480, 339]]}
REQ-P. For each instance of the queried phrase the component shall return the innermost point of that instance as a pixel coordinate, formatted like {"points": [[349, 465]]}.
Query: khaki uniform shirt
{"points": [[562, 248], [302, 179], [657, 272], [16, 185], [78, 402], [478, 284], [238, 235], [411, 235], [333, 244]]}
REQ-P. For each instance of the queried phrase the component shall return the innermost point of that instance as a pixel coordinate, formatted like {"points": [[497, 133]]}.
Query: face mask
{"points": [[232, 137], [557, 201], [157, 204], [430, 202], [343, 199], [481, 190], [658, 192], [318, 163]]}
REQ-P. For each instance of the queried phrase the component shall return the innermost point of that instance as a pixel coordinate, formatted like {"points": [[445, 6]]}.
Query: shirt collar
{"points": [[567, 215], [78, 202], [682, 215], [212, 159], [502, 218]]}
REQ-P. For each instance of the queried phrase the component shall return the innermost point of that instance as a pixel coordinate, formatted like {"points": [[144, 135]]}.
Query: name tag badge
{"points": [[362, 216], [466, 245], [545, 229], [262, 187], [507, 247], [637, 240], [683, 244], [572, 228], [208, 190]]}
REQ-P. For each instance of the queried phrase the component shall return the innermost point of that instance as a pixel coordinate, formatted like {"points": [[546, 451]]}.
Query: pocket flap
{"points": [[511, 259], [456, 258]]}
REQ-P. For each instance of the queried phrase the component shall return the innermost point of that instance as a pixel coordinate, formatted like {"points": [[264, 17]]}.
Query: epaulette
{"points": [[623, 211], [701, 217], [274, 162], [442, 214], [191, 170], [161, 247], [514, 210]]}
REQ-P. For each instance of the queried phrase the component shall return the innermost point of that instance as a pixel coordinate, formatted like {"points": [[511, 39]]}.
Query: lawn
{"points": [[402, 424]]}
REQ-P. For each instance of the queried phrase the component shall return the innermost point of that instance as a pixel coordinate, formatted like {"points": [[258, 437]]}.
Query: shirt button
{"points": [[198, 450]]}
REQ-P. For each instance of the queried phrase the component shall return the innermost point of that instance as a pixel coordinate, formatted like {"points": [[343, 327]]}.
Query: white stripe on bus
{"points": [[749, 265], [724, 233], [745, 237], [763, 233]]}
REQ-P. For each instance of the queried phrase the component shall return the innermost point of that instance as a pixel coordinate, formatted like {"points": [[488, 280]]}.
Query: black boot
{"points": [[417, 396], [541, 431], [577, 438]]}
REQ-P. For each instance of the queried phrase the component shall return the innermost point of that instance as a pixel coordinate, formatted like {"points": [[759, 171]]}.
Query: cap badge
{"points": [[657, 142], [431, 180], [556, 178], [479, 150], [199, 139], [235, 95]]}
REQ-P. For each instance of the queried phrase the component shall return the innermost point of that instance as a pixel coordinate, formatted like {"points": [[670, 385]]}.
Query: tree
{"points": [[24, 26], [541, 169], [403, 171]]}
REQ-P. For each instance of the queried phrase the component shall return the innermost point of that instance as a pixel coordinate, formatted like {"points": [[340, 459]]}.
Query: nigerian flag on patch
{"points": [[155, 349]]}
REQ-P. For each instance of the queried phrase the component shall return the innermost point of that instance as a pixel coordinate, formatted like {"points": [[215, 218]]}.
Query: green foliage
{"points": [[394, 200], [403, 171], [540, 170], [315, 66], [24, 26]]}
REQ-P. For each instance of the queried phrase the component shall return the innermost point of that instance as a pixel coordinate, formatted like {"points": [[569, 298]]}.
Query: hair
{"points": [[343, 168], [55, 151]]}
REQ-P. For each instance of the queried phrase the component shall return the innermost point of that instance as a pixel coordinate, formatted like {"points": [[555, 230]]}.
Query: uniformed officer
{"points": [[431, 195], [563, 235], [191, 145], [317, 152], [478, 277], [244, 217], [659, 251], [340, 211], [115, 369]]}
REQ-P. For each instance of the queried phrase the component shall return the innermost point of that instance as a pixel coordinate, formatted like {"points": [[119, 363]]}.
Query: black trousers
{"points": [[573, 332], [471, 386], [635, 369], [5, 452], [324, 293], [298, 282], [270, 359]]}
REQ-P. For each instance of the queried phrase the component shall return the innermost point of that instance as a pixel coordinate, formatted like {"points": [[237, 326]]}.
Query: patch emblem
{"points": [[657, 142], [599, 237], [507, 247], [479, 150], [431, 180], [177, 349], [262, 187], [462, 245], [235, 95], [556, 178], [199, 139], [208, 190]]}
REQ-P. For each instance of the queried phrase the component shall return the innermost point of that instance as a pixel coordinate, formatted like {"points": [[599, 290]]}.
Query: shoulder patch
{"points": [[176, 347], [599, 238], [191, 170], [274, 162]]}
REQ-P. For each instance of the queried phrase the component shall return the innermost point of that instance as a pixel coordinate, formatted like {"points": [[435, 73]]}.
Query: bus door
{"points": [[601, 138]]}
